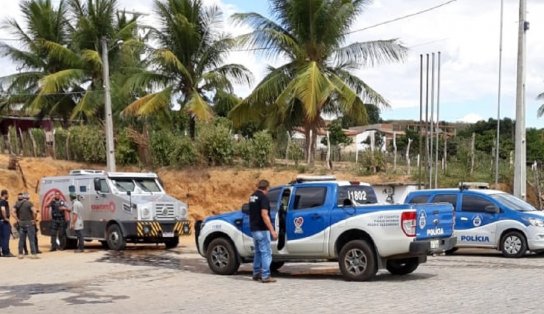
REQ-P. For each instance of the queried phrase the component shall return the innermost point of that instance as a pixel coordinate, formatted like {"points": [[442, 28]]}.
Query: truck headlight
{"points": [[146, 212], [536, 222]]}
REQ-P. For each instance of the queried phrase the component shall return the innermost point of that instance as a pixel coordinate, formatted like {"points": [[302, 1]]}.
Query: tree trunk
{"points": [[192, 127]]}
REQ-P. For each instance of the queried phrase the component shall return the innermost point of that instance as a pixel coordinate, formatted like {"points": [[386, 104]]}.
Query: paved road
{"points": [[152, 280]]}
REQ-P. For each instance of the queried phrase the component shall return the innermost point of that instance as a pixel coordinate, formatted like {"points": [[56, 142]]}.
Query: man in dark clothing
{"points": [[26, 218], [58, 221], [5, 226], [20, 198], [261, 230]]}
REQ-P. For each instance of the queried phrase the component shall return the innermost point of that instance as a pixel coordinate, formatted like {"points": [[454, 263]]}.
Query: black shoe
{"points": [[268, 280], [8, 255], [52, 249], [39, 252], [256, 277]]}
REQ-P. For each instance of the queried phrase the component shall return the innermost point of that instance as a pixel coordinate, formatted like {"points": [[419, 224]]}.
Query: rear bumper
{"points": [[432, 246]]}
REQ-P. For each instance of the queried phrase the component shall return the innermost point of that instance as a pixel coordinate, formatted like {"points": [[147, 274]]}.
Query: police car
{"points": [[319, 218], [487, 218]]}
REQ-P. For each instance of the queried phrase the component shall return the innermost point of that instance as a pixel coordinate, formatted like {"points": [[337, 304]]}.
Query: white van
{"points": [[119, 207]]}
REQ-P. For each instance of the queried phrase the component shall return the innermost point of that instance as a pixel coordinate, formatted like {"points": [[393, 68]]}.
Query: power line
{"points": [[402, 17]]}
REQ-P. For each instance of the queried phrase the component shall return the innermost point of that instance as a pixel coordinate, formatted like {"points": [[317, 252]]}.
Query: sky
{"points": [[466, 32]]}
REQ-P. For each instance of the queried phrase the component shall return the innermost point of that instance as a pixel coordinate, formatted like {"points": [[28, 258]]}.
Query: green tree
{"points": [[311, 35], [188, 64]]}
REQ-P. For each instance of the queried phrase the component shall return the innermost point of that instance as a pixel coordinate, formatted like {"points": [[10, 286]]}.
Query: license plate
{"points": [[167, 234], [435, 244]]}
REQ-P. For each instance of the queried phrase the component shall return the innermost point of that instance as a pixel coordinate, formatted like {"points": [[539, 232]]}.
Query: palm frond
{"points": [[149, 104], [55, 82], [61, 54], [92, 57], [371, 53], [170, 61], [198, 107], [88, 106], [540, 111]]}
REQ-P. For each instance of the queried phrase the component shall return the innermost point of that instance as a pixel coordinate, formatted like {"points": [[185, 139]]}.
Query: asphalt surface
{"points": [[149, 279]]}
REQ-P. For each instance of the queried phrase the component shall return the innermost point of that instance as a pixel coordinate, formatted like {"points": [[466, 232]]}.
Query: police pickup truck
{"points": [[321, 219], [487, 218]]}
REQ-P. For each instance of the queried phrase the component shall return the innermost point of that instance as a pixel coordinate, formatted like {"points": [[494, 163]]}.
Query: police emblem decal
{"points": [[298, 221], [477, 221], [422, 219]]}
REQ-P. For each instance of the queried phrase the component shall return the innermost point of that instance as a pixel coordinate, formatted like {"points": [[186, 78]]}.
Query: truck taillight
{"points": [[408, 223]]}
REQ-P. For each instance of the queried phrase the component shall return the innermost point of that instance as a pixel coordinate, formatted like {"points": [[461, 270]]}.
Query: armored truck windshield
{"points": [[136, 185]]}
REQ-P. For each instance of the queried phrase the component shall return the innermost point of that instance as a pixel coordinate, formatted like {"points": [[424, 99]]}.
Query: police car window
{"points": [[446, 198], [273, 196], [419, 199], [472, 203], [513, 202], [309, 197], [357, 194]]}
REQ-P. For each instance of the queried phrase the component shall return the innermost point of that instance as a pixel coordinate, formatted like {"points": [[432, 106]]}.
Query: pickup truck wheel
{"points": [[115, 239], [402, 266], [275, 266], [513, 244], [451, 251], [357, 261], [222, 257]]}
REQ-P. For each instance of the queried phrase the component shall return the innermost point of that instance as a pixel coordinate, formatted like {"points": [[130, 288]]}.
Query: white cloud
{"points": [[470, 118]]}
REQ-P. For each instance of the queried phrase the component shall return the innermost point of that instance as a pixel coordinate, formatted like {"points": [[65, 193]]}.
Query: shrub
{"points": [[61, 136], [184, 152], [87, 143], [295, 153], [216, 144], [39, 139], [126, 151], [371, 162], [243, 151], [262, 149], [171, 149]]}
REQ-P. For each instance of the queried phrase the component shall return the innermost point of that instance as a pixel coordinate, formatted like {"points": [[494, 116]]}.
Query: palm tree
{"points": [[187, 68], [43, 23], [317, 78], [541, 108]]}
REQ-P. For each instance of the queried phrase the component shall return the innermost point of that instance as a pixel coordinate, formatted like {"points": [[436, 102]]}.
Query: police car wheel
{"points": [[275, 266], [222, 257], [357, 261], [513, 244], [115, 238], [402, 266]]}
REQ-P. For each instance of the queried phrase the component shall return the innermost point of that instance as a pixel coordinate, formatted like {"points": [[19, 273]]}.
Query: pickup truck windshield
{"points": [[130, 184], [357, 194], [513, 202]]}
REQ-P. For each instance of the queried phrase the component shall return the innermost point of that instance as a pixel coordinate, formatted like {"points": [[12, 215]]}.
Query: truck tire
{"points": [[171, 243], [513, 244], [115, 239], [222, 257], [357, 261], [275, 266], [402, 266]]}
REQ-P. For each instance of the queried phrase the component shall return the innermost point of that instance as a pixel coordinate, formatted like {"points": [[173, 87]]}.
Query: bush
{"points": [[87, 143], [61, 136], [371, 162], [295, 153], [39, 139], [171, 149], [262, 149], [216, 144], [243, 151], [126, 151]]}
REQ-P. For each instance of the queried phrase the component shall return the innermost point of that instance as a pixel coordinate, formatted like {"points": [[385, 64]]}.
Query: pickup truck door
{"points": [[307, 218], [474, 224]]}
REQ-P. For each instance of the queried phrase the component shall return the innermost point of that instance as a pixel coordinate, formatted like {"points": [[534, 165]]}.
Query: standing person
{"points": [[26, 218], [76, 221], [261, 230], [5, 226], [58, 222]]}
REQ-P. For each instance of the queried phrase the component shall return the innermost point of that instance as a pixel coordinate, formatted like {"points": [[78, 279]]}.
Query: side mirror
{"points": [[347, 203], [245, 208], [97, 186], [129, 193], [492, 209]]}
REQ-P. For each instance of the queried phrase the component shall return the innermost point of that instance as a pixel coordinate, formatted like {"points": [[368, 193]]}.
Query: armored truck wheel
{"points": [[513, 244], [115, 238], [357, 261], [222, 257], [171, 243], [402, 266]]}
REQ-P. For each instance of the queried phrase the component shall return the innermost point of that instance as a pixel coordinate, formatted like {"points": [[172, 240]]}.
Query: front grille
{"points": [[164, 211]]}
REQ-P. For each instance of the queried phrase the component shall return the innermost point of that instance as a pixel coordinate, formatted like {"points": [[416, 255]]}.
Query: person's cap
{"points": [[73, 196], [26, 195]]}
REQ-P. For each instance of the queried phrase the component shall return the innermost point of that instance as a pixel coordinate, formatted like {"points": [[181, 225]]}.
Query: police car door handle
{"points": [[316, 216], [464, 218]]}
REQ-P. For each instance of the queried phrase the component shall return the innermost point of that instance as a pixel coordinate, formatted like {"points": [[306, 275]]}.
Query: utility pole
{"points": [[520, 168], [110, 149], [497, 144]]}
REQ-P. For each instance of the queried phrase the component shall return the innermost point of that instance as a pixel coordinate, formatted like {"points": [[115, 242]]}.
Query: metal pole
{"points": [[420, 120], [437, 122], [431, 136], [497, 145], [520, 169], [427, 122], [110, 149]]}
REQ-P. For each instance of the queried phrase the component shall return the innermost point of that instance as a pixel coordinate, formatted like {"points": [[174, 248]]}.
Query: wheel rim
{"points": [[355, 261], [220, 256], [114, 238], [512, 244]]}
